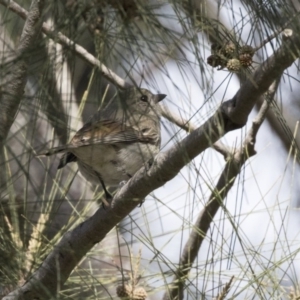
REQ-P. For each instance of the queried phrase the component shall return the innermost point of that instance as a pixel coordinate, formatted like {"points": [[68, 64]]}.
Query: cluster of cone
{"points": [[230, 56]]}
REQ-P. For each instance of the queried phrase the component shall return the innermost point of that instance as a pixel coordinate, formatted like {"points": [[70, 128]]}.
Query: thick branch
{"points": [[13, 90], [75, 244]]}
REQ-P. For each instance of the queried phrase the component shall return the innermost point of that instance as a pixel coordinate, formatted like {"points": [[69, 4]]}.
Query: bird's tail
{"points": [[60, 149]]}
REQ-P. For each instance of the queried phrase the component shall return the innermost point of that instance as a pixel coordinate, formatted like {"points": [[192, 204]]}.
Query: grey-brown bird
{"points": [[118, 140]]}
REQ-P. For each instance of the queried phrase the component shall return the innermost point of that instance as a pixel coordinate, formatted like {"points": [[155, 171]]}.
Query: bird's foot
{"points": [[149, 164]]}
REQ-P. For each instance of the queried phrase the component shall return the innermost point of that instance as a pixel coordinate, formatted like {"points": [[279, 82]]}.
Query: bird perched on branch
{"points": [[117, 141]]}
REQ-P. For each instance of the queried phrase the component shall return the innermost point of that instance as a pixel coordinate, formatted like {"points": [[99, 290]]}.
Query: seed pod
{"points": [[229, 49], [233, 65], [124, 291], [245, 59], [139, 293], [246, 49]]}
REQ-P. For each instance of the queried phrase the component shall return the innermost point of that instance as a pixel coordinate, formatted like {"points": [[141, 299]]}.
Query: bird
{"points": [[117, 140]]}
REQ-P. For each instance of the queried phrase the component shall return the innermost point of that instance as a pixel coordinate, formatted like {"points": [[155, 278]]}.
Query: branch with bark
{"points": [[231, 115], [13, 89], [12, 92]]}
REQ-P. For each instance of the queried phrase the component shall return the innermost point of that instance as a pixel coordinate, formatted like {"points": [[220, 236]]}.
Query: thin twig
{"points": [[275, 34], [176, 119], [225, 290], [188, 126], [222, 149]]}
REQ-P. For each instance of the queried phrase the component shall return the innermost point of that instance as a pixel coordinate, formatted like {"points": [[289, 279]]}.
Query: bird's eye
{"points": [[144, 98]]}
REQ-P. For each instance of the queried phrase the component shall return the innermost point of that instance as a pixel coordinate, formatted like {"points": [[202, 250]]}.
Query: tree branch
{"points": [[13, 90], [177, 120], [233, 114]]}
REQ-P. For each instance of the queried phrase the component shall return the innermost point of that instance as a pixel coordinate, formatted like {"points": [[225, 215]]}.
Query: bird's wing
{"points": [[55, 150], [107, 132], [111, 132]]}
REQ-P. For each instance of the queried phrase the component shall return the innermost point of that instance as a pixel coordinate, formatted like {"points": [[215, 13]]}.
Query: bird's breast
{"points": [[114, 163]]}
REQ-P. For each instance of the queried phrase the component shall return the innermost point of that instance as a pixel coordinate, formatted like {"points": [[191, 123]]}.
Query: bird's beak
{"points": [[160, 97]]}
